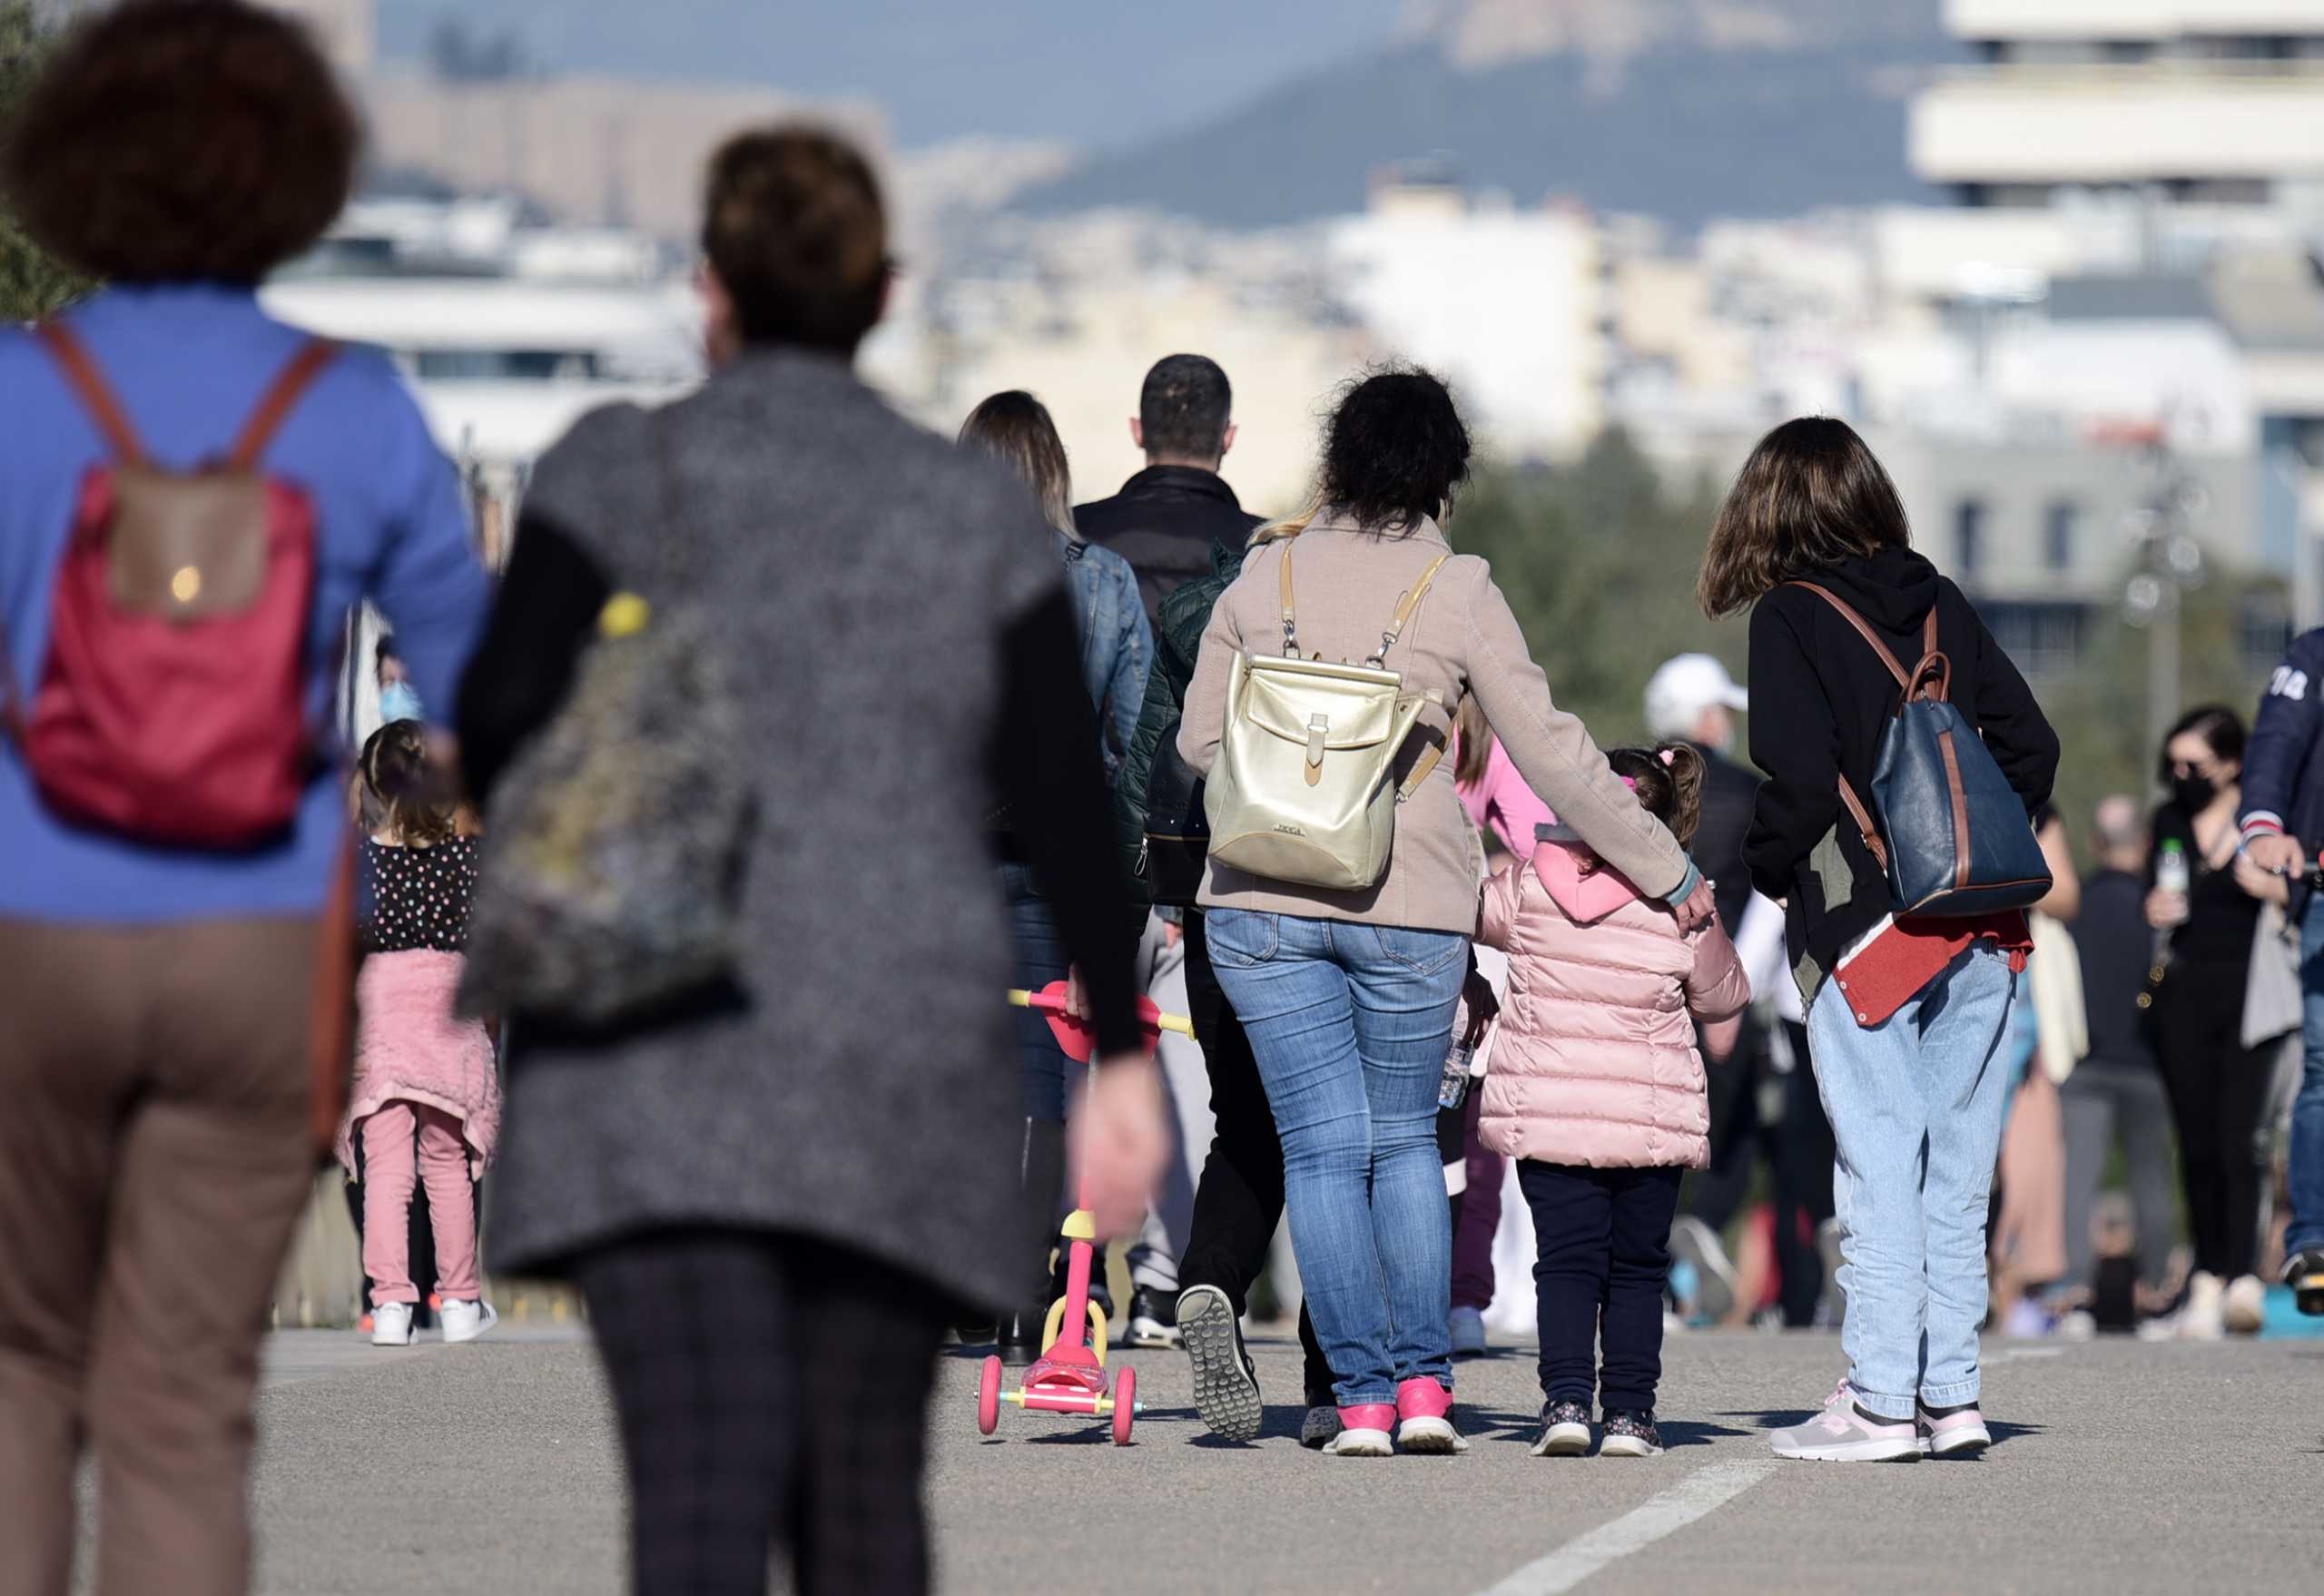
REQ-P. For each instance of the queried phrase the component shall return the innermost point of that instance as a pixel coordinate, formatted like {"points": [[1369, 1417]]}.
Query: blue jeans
{"points": [[1350, 1024], [1040, 960], [1916, 1107], [2306, 1228]]}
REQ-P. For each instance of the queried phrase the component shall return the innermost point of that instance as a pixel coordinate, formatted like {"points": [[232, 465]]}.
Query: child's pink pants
{"points": [[388, 1175]]}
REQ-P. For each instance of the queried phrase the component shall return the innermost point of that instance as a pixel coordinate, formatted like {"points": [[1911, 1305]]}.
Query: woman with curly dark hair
{"points": [[159, 1061], [1349, 996]]}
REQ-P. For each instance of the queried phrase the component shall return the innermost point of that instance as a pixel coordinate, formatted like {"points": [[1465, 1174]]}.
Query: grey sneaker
{"points": [[1696, 1243], [1843, 1432], [1630, 1432], [1565, 1431], [1955, 1432], [1320, 1428], [1226, 1388], [1467, 1327]]}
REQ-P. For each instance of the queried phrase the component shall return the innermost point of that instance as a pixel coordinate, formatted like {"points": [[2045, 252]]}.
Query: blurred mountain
{"points": [[1680, 109]]}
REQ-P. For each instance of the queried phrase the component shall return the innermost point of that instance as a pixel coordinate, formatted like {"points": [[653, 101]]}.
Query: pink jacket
{"points": [[1595, 1062], [1501, 799], [411, 1047]]}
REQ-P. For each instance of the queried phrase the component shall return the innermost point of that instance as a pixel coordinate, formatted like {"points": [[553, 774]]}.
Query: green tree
{"points": [[2100, 711], [1598, 563], [32, 282]]}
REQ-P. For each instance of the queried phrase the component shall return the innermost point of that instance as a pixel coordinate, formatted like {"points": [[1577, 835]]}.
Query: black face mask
{"points": [[2193, 794]]}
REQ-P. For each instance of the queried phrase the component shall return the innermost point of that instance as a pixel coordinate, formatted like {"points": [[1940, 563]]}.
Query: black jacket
{"points": [[1820, 699], [1163, 522], [2117, 959], [1729, 793]]}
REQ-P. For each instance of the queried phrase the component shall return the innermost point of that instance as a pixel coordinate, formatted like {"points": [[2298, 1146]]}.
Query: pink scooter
{"points": [[1070, 1376]]}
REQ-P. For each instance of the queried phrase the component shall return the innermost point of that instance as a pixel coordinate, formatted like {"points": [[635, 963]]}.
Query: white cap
{"points": [[1683, 688]]}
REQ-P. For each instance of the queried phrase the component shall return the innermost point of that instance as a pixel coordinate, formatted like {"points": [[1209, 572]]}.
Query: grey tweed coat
{"points": [[862, 571]]}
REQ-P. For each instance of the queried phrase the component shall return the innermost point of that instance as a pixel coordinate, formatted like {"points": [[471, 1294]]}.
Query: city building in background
{"points": [[2112, 302]]}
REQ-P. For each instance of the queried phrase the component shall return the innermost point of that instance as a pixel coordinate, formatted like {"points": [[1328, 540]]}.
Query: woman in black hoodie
{"points": [[1908, 1021]]}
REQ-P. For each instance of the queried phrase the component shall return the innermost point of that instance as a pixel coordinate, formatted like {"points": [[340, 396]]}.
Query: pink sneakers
{"points": [[1422, 1420], [1363, 1432], [1841, 1434], [1960, 1432], [1426, 1409]]}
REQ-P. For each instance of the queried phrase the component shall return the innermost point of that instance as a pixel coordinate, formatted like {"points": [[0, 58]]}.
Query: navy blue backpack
{"points": [[1957, 838]]}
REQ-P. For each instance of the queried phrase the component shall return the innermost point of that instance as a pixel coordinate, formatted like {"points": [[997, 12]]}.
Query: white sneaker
{"points": [[465, 1321], [1698, 1244], [1467, 1328], [391, 1324], [2245, 1307], [2202, 1317], [1360, 1441]]}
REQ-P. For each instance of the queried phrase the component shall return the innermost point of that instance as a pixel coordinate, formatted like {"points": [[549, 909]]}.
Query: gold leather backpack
{"points": [[1303, 790]]}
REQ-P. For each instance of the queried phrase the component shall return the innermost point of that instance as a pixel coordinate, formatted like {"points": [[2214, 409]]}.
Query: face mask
{"points": [[2194, 794], [399, 702]]}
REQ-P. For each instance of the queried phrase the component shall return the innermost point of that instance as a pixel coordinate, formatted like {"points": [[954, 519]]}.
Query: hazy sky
{"points": [[1094, 72]]}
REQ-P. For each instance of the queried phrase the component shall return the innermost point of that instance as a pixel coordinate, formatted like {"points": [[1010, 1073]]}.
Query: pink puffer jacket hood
{"points": [[1595, 1062]]}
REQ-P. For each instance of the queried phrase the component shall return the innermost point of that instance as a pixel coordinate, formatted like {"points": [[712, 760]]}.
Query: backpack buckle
{"points": [[1318, 727]]}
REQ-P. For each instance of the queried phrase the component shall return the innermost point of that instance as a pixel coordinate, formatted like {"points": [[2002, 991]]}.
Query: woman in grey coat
{"points": [[774, 1203]]}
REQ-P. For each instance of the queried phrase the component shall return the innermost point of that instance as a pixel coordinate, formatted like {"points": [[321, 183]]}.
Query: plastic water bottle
{"points": [[1452, 1089], [2171, 875], [2170, 871]]}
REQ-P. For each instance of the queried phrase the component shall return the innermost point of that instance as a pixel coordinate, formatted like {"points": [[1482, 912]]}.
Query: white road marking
{"points": [[1692, 1497]]}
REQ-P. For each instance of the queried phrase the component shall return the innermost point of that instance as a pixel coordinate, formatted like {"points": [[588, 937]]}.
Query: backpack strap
{"points": [[1290, 618], [1854, 804], [275, 406], [1865, 631], [1405, 605], [82, 375]]}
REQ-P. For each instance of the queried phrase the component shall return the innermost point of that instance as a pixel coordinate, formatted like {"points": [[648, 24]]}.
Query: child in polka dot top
{"points": [[426, 1103]]}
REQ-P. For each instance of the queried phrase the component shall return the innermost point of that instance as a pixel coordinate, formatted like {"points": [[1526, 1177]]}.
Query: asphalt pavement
{"points": [[2120, 1467]]}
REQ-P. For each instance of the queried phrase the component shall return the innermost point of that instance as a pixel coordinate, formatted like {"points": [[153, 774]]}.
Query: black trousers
{"points": [[1803, 1186], [772, 1393], [1238, 1201], [1601, 1259], [1737, 1134], [2218, 1091]]}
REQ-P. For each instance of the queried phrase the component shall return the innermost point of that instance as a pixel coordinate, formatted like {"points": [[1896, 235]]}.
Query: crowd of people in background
{"points": [[781, 1188]]}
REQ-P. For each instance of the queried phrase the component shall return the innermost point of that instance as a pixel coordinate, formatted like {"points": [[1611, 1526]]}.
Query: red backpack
{"points": [[171, 708]]}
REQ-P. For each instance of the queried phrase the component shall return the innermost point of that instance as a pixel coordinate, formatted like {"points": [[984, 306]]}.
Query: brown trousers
{"points": [[155, 1086]]}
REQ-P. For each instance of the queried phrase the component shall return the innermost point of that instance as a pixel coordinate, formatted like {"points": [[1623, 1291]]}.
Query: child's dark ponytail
{"points": [[1669, 781]]}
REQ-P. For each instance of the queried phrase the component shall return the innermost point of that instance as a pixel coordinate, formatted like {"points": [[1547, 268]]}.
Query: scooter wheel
{"points": [[988, 1398], [1125, 1405]]}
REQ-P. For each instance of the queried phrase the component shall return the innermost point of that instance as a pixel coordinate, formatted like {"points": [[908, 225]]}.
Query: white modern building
{"points": [[2200, 104], [1511, 306]]}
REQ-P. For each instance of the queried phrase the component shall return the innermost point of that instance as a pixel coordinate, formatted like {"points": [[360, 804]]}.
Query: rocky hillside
{"points": [[1680, 109]]}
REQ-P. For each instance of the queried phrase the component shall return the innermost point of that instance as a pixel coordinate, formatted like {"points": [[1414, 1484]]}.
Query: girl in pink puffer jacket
{"points": [[1597, 1086]]}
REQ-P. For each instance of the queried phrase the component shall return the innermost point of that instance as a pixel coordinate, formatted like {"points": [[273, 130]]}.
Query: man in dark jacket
{"points": [[1692, 699], [1166, 520], [2115, 1094], [2283, 830]]}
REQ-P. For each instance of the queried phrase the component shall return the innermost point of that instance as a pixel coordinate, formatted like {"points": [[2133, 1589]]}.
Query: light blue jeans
{"points": [[1917, 1106], [1349, 1024]]}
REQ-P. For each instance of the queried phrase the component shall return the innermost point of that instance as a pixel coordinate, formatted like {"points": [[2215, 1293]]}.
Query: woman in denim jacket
{"points": [[1117, 650]]}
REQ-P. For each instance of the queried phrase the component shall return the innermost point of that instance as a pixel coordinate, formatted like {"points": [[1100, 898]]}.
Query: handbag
{"points": [[1303, 790], [2273, 1003], [611, 880], [1951, 834], [1176, 854]]}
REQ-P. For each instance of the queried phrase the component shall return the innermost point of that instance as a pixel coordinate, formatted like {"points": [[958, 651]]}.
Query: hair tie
{"points": [[1667, 755]]}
